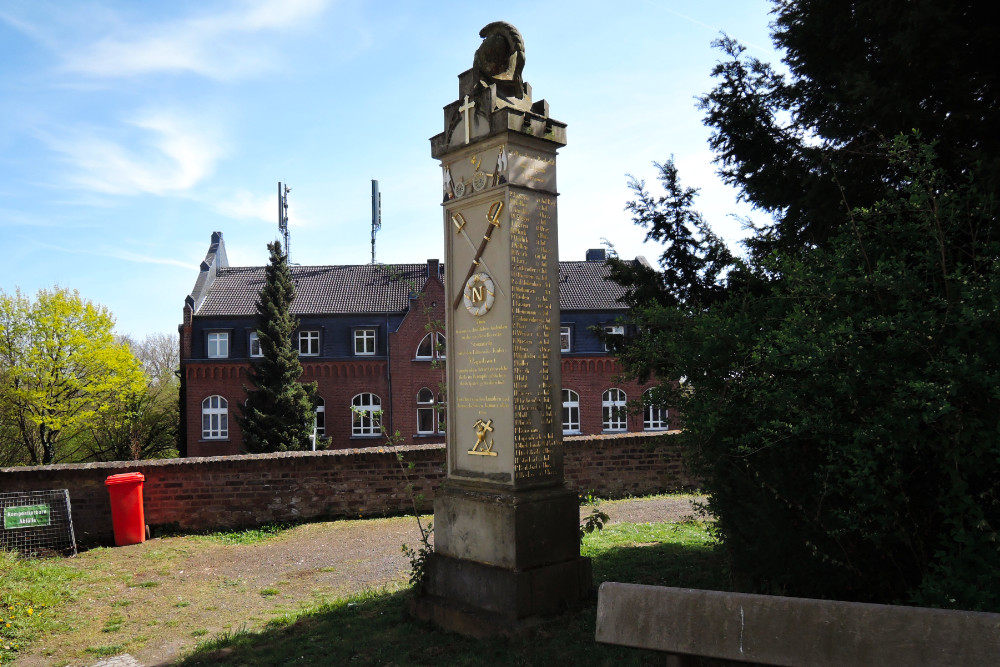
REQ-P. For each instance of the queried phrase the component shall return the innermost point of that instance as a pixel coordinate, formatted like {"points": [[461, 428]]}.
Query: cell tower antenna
{"points": [[376, 214], [283, 217]]}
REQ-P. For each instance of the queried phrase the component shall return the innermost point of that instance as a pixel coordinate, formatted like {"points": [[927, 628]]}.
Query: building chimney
{"points": [[596, 255], [432, 268]]}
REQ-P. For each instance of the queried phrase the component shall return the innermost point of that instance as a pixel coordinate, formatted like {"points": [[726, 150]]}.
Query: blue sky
{"points": [[130, 131]]}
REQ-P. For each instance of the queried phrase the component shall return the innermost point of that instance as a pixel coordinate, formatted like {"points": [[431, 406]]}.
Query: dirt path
{"points": [[157, 600]]}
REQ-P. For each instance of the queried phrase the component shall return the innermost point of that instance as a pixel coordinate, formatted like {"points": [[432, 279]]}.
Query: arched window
{"points": [[367, 409], [431, 350], [655, 417], [320, 417], [430, 413], [214, 418], [613, 410], [571, 411]]}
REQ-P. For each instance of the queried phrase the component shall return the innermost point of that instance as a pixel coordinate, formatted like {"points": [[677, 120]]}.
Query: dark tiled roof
{"points": [[320, 290], [585, 286], [372, 288]]}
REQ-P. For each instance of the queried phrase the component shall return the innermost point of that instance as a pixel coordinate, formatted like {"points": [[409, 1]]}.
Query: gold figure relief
{"points": [[482, 447]]}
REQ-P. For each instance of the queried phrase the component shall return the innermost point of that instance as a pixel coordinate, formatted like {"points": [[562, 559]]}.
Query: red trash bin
{"points": [[126, 507]]}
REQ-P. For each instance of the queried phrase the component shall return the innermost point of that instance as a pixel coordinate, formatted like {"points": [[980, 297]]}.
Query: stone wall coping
{"points": [[637, 435], [353, 451], [165, 463], [776, 630]]}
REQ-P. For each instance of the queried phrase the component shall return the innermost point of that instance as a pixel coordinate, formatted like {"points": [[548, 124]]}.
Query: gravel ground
{"points": [[314, 560]]}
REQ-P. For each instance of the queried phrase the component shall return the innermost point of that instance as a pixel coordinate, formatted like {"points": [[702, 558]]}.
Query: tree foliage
{"points": [[144, 425], [61, 371], [839, 383], [279, 412], [808, 147]]}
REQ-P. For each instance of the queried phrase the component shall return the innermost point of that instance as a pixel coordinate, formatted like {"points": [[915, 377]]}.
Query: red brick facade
{"points": [[391, 370]]}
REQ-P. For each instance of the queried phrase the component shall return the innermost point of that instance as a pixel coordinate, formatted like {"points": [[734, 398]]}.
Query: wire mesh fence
{"points": [[37, 523]]}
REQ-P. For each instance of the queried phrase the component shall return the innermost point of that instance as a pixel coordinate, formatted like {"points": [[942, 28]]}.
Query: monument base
{"points": [[484, 601], [503, 559]]}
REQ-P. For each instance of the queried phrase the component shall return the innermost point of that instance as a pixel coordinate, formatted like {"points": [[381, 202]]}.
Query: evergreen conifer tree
{"points": [[278, 414], [838, 383]]}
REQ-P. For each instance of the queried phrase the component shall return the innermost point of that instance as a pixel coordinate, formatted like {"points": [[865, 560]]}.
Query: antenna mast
{"points": [[283, 217], [376, 214]]}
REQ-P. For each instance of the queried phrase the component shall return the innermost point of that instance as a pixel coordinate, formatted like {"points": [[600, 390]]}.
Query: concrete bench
{"points": [[792, 631]]}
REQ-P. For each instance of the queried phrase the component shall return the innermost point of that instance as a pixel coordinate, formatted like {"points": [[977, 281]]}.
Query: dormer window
{"points": [[308, 343], [614, 336], [218, 345], [565, 338], [364, 342], [255, 350]]}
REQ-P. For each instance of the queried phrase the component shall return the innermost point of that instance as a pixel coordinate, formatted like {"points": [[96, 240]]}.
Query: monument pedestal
{"points": [[502, 559], [506, 540]]}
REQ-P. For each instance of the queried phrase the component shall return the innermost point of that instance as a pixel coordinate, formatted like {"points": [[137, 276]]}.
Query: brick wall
{"points": [[197, 494], [409, 375]]}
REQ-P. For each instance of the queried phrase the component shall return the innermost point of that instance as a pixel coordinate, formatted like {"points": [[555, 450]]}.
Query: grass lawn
{"points": [[375, 629], [44, 599]]}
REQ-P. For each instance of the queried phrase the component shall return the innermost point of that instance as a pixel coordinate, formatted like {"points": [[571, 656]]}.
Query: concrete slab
{"points": [[793, 631]]}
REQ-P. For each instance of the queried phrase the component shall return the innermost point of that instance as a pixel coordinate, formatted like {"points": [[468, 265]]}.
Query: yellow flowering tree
{"points": [[60, 369]]}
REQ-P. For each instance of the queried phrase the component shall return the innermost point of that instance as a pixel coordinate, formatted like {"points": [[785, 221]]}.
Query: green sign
{"points": [[25, 516]]}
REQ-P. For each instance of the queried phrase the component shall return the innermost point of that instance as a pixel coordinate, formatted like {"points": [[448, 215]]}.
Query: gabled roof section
{"points": [[585, 286], [320, 290], [374, 288], [214, 261]]}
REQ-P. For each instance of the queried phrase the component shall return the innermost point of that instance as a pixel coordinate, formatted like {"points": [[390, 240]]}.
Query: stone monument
{"points": [[506, 540]]}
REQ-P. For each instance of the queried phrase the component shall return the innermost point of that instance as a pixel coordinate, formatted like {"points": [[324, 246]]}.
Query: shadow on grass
{"points": [[375, 628], [662, 565]]}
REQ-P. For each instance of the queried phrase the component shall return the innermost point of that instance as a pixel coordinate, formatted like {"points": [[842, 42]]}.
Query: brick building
{"points": [[370, 337]]}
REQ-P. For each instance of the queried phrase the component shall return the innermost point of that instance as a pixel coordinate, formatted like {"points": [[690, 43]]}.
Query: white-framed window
{"points": [[655, 417], [565, 338], [214, 418], [255, 350], [431, 346], [570, 411], [430, 413], [614, 416], [367, 410], [364, 342], [218, 345], [616, 330], [320, 417], [309, 343]]}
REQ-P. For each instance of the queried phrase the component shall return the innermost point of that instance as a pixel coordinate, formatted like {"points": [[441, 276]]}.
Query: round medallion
{"points": [[479, 180], [478, 294], [459, 188]]}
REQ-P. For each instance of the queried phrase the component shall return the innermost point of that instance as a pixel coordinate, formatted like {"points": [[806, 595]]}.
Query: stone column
{"points": [[506, 527]]}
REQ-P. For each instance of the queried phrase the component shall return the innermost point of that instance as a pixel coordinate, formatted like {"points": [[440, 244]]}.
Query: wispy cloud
{"points": [[226, 45], [27, 28], [246, 205], [118, 253], [173, 155], [260, 206], [716, 29]]}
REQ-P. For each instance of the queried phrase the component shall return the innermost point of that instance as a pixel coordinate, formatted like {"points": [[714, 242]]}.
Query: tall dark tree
{"points": [[838, 383], [809, 146], [279, 411]]}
